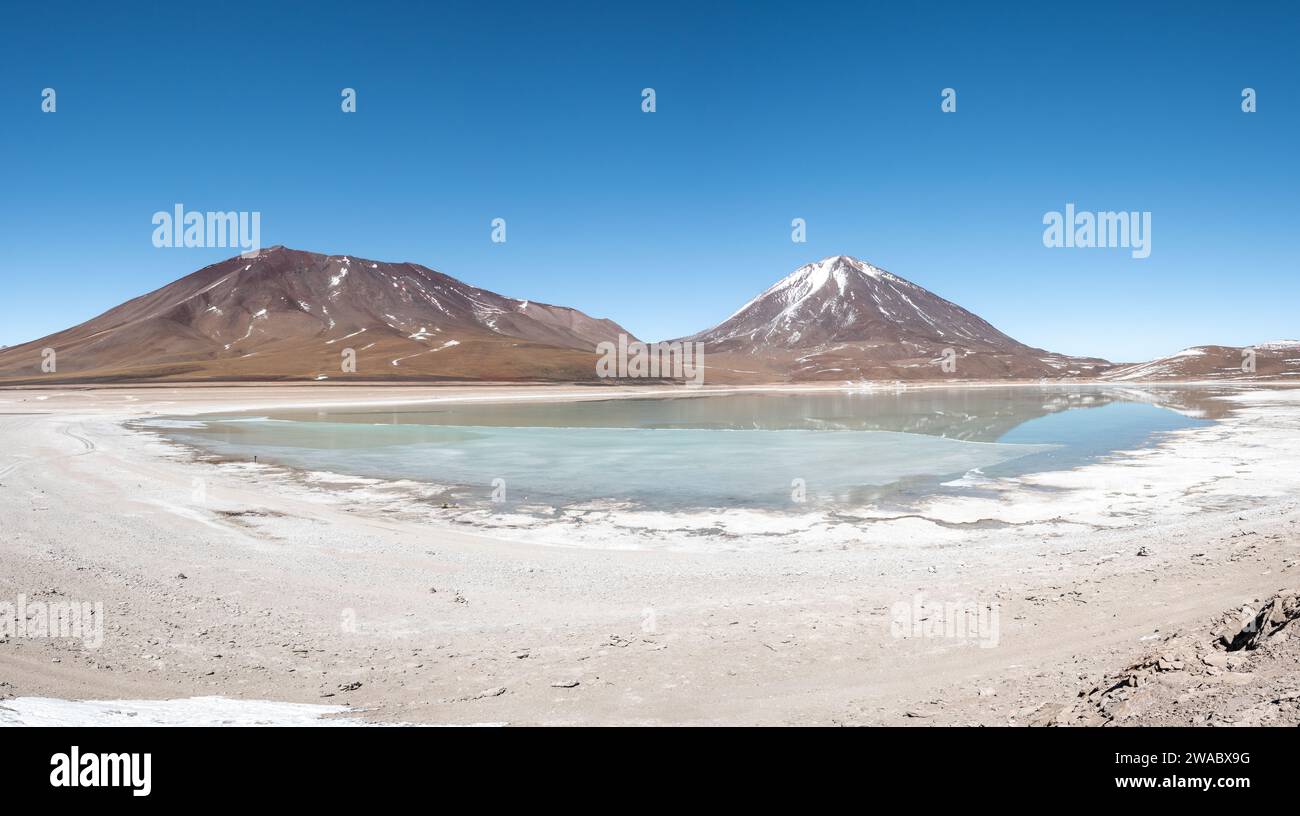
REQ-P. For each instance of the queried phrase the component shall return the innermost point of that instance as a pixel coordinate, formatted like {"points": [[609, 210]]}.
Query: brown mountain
{"points": [[287, 314], [1277, 360], [843, 319], [290, 315]]}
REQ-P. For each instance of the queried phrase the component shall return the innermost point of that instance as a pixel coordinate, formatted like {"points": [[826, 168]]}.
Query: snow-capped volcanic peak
{"points": [[837, 269], [811, 278], [841, 299]]}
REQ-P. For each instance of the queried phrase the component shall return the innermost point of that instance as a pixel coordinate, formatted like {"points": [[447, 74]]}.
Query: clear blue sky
{"points": [[667, 222]]}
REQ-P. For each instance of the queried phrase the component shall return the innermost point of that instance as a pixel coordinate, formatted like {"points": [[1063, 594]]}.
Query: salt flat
{"points": [[268, 586]]}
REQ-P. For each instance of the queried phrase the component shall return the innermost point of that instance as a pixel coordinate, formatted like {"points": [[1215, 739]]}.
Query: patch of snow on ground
{"points": [[344, 337], [194, 711]]}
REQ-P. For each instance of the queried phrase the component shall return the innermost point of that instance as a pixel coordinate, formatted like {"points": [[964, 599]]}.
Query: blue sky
{"points": [[667, 222]]}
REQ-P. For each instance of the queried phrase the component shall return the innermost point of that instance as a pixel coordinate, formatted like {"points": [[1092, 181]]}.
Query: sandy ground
{"points": [[263, 587]]}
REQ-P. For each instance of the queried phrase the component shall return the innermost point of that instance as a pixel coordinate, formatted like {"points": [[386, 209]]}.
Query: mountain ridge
{"points": [[292, 308], [285, 314]]}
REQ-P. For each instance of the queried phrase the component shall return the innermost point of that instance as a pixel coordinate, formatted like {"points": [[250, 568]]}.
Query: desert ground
{"points": [[1111, 583]]}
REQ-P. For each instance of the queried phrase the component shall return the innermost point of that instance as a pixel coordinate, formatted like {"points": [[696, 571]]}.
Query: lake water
{"points": [[763, 450]]}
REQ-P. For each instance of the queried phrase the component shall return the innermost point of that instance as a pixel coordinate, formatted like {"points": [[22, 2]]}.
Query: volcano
{"points": [[843, 318], [292, 315]]}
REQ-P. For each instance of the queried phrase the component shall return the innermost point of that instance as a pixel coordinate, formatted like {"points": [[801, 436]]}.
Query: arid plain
{"points": [[266, 585]]}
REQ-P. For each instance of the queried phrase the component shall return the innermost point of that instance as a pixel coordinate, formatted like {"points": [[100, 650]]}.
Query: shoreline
{"points": [[440, 615], [596, 523]]}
